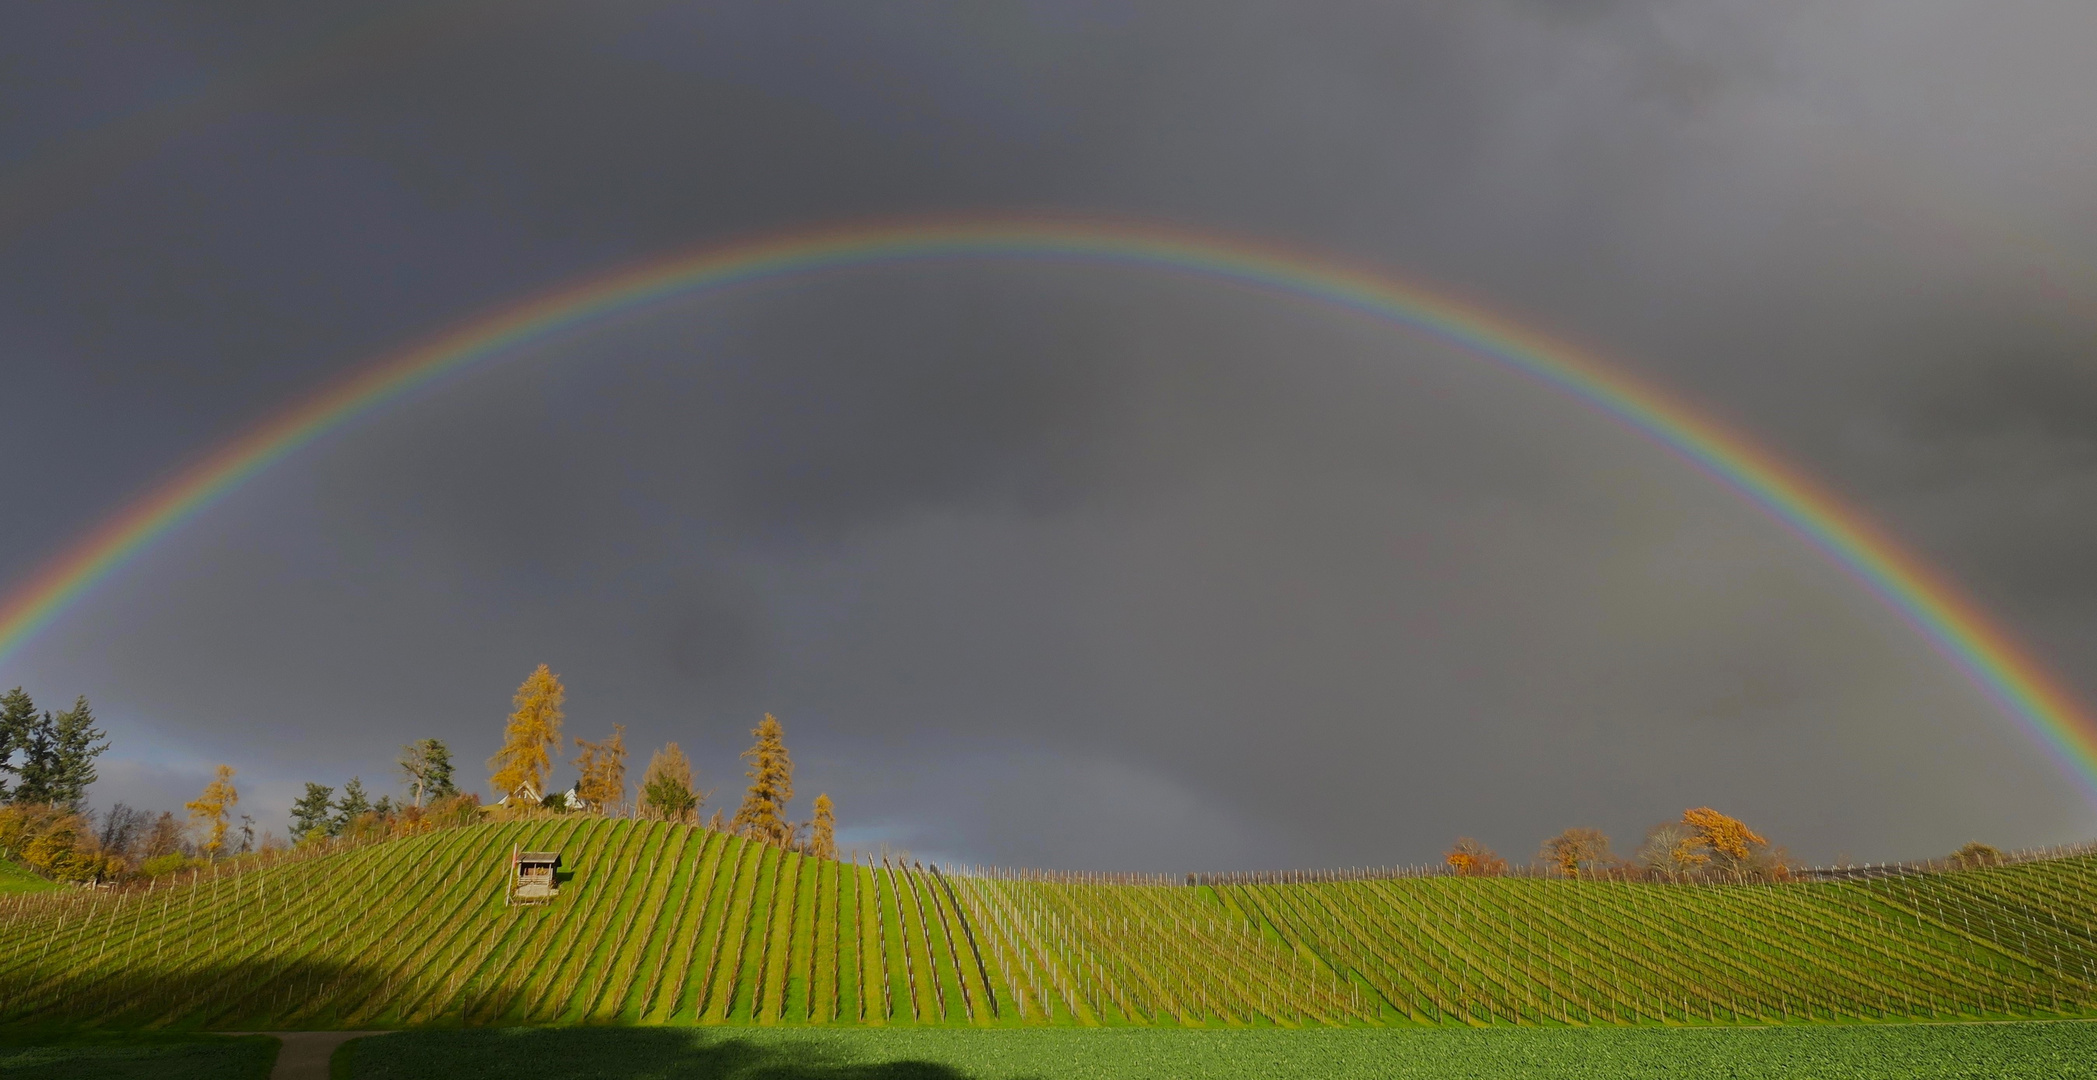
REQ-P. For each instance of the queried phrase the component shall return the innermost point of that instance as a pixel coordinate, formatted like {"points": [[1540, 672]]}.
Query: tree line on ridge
{"points": [[1703, 845], [46, 825]]}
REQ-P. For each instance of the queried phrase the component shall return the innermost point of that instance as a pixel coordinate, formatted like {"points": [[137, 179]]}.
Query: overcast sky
{"points": [[1056, 565]]}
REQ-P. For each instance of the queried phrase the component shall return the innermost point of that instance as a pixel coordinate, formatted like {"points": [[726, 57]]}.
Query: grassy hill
{"points": [[15, 878], [670, 924]]}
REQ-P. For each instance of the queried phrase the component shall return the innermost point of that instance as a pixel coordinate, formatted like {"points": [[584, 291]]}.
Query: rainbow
{"points": [[1964, 634]]}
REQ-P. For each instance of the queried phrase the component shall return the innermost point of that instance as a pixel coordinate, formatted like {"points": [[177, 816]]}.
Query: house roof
{"points": [[530, 793], [539, 856]]}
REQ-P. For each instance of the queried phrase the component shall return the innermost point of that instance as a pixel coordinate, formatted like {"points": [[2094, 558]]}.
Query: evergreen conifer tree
{"points": [[666, 788], [309, 814], [37, 772], [17, 720], [763, 813], [533, 733], [426, 764], [73, 753], [353, 805]]}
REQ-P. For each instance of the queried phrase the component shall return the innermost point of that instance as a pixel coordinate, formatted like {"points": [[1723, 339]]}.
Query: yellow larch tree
{"points": [[603, 768], [533, 733], [212, 808], [763, 813], [822, 831]]}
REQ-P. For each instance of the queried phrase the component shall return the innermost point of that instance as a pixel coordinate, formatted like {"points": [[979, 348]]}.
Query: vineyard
{"points": [[671, 924]]}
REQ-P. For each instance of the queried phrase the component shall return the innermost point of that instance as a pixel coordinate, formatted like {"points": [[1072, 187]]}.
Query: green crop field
{"points": [[2022, 1051], [666, 924]]}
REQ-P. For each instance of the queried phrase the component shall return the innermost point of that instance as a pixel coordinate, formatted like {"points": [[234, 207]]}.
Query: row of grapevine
{"points": [[660, 923], [1476, 951]]}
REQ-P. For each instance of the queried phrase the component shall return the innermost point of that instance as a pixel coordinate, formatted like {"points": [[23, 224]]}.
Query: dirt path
{"points": [[305, 1054]]}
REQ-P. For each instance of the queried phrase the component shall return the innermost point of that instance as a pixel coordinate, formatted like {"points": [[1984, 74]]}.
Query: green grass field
{"points": [[674, 925], [2023, 1051], [79, 1055], [15, 879]]}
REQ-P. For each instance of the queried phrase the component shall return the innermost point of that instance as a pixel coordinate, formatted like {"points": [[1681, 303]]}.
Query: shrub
{"points": [[1977, 854], [1469, 858], [170, 863], [55, 842], [453, 811]]}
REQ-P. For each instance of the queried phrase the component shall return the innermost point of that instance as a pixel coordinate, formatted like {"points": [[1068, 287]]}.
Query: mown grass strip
{"points": [[672, 946], [598, 861], [680, 1000], [801, 945], [727, 967], [632, 926], [505, 938], [777, 958], [713, 990], [639, 946], [629, 872], [875, 1007], [904, 1004], [824, 965], [399, 945], [756, 931], [546, 925]]}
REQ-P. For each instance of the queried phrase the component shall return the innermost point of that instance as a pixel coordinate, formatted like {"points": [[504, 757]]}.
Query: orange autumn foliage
{"points": [[1573, 849], [763, 813], [602, 766], [210, 809], [1724, 835], [1469, 858], [533, 733]]}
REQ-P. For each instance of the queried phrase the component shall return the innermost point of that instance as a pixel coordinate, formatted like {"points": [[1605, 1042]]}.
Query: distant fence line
{"points": [[230, 866], [1063, 877], [1344, 873], [1844, 872], [192, 878], [18, 904], [1854, 872]]}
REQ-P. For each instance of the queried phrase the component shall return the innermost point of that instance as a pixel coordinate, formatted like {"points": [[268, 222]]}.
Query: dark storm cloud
{"points": [[1995, 444], [1087, 567]]}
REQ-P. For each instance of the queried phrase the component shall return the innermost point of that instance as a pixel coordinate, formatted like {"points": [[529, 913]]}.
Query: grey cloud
{"points": [[1024, 552]]}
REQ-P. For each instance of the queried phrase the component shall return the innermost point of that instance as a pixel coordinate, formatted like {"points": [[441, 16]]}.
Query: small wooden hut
{"points": [[532, 879]]}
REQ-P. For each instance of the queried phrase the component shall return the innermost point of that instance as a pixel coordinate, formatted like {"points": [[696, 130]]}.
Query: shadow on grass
{"points": [[57, 1054], [608, 1053], [262, 993]]}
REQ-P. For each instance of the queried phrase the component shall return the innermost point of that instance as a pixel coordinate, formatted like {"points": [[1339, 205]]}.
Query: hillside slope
{"points": [[672, 924], [15, 878]]}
